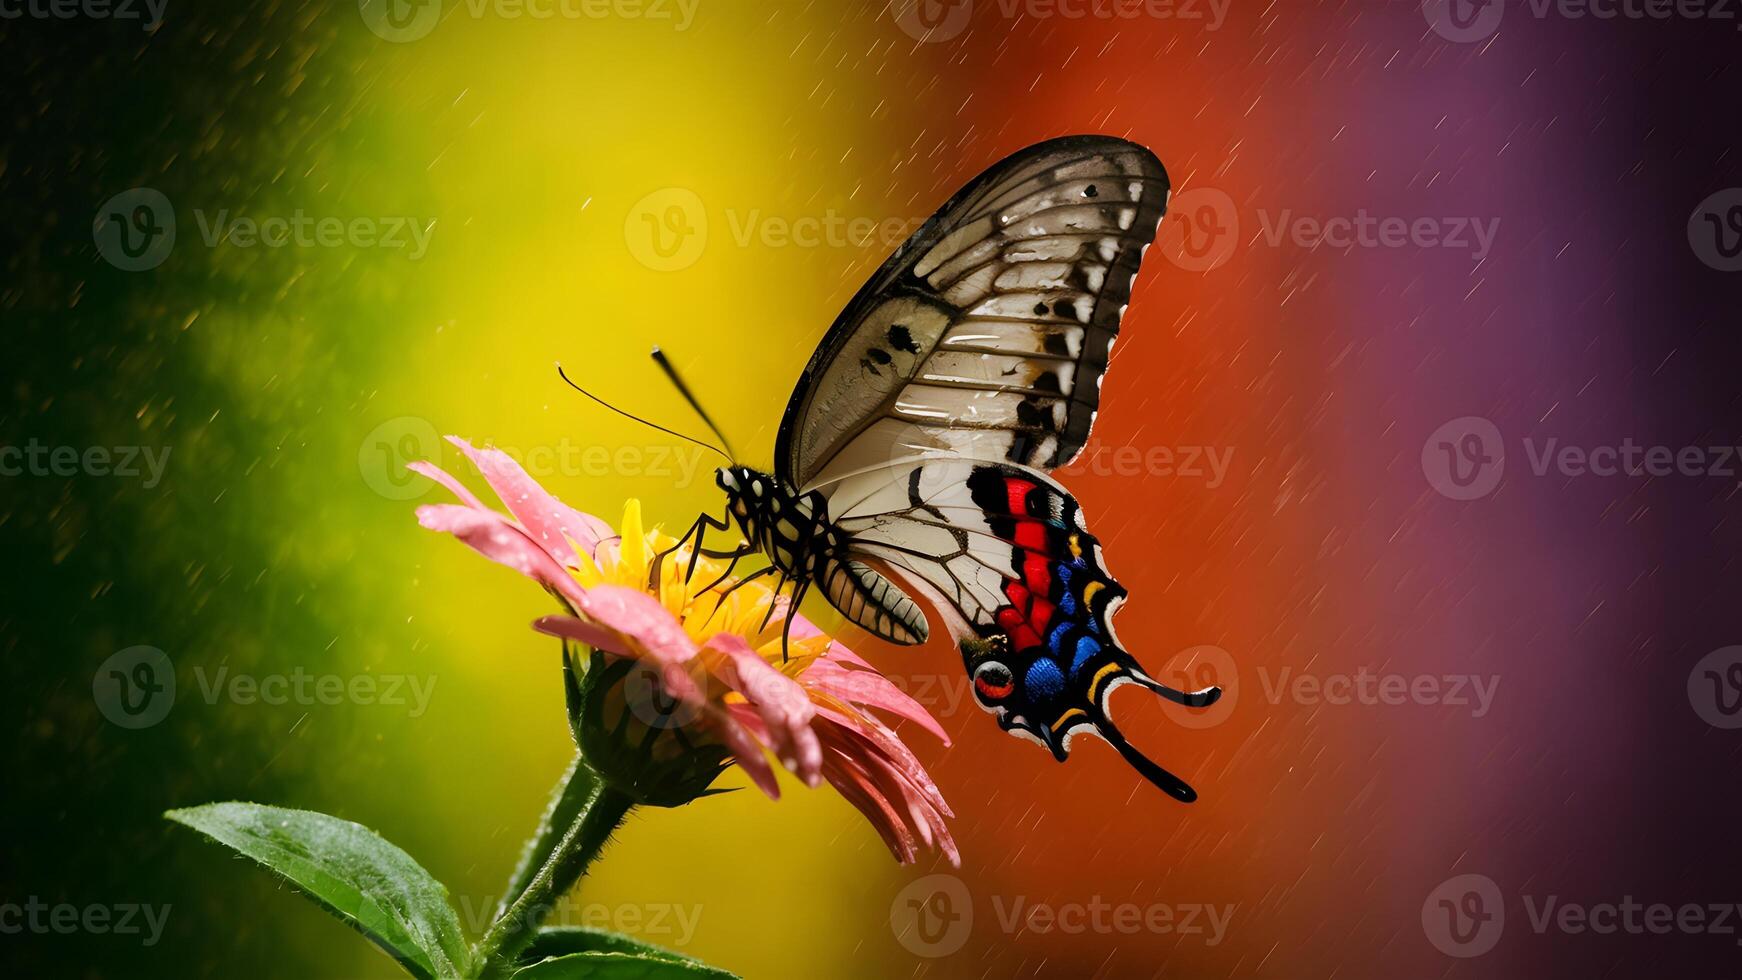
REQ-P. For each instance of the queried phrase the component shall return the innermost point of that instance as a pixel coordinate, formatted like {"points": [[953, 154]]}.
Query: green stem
{"points": [[601, 815], [576, 788]]}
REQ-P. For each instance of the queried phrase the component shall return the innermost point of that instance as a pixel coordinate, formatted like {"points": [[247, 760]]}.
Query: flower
{"points": [[717, 683]]}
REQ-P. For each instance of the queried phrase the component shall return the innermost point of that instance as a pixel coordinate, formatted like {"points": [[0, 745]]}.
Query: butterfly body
{"points": [[794, 532], [914, 455]]}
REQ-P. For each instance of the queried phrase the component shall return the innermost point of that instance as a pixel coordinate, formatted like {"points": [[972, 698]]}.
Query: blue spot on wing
{"points": [[1056, 639], [1044, 681], [1088, 648]]}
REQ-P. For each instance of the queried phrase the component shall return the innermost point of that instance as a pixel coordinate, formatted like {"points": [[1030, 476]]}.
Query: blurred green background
{"points": [[289, 384]]}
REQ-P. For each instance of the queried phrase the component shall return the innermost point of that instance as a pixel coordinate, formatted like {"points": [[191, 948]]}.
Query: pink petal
{"points": [[750, 756], [501, 540], [597, 637], [838, 651], [897, 787], [550, 522], [858, 790], [874, 737], [869, 689], [454, 486], [779, 700], [640, 617]]}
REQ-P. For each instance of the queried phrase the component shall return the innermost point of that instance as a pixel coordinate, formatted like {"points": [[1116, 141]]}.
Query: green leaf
{"points": [[567, 940], [350, 871], [620, 966]]}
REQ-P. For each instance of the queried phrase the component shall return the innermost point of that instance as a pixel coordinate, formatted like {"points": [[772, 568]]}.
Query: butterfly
{"points": [[912, 461]]}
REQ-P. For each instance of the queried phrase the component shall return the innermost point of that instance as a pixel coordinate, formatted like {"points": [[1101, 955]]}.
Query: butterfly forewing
{"points": [[986, 334]]}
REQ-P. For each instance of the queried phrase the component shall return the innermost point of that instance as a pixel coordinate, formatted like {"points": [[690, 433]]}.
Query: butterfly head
{"points": [[746, 489], [756, 499]]}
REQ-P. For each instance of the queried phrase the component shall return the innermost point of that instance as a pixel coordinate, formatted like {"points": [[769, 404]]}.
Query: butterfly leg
{"points": [[733, 588], [736, 556], [697, 530], [798, 590], [768, 616]]}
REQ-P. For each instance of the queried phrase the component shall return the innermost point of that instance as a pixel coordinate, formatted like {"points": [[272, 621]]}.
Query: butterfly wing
{"points": [[986, 334], [1006, 548], [968, 365]]}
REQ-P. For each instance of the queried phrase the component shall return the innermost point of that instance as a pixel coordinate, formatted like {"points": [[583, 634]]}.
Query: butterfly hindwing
{"points": [[1007, 548]]}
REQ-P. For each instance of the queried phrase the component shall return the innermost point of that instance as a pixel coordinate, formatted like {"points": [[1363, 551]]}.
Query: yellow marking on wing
{"points": [[1064, 719], [1090, 590], [1095, 682]]}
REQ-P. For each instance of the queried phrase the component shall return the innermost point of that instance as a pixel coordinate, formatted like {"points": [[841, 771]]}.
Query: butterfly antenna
{"points": [[684, 390], [713, 449]]}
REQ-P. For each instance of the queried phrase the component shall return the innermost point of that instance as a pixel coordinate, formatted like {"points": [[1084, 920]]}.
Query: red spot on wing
{"points": [[1018, 491], [1040, 613], [1037, 573], [994, 693], [1031, 535], [1021, 634]]}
